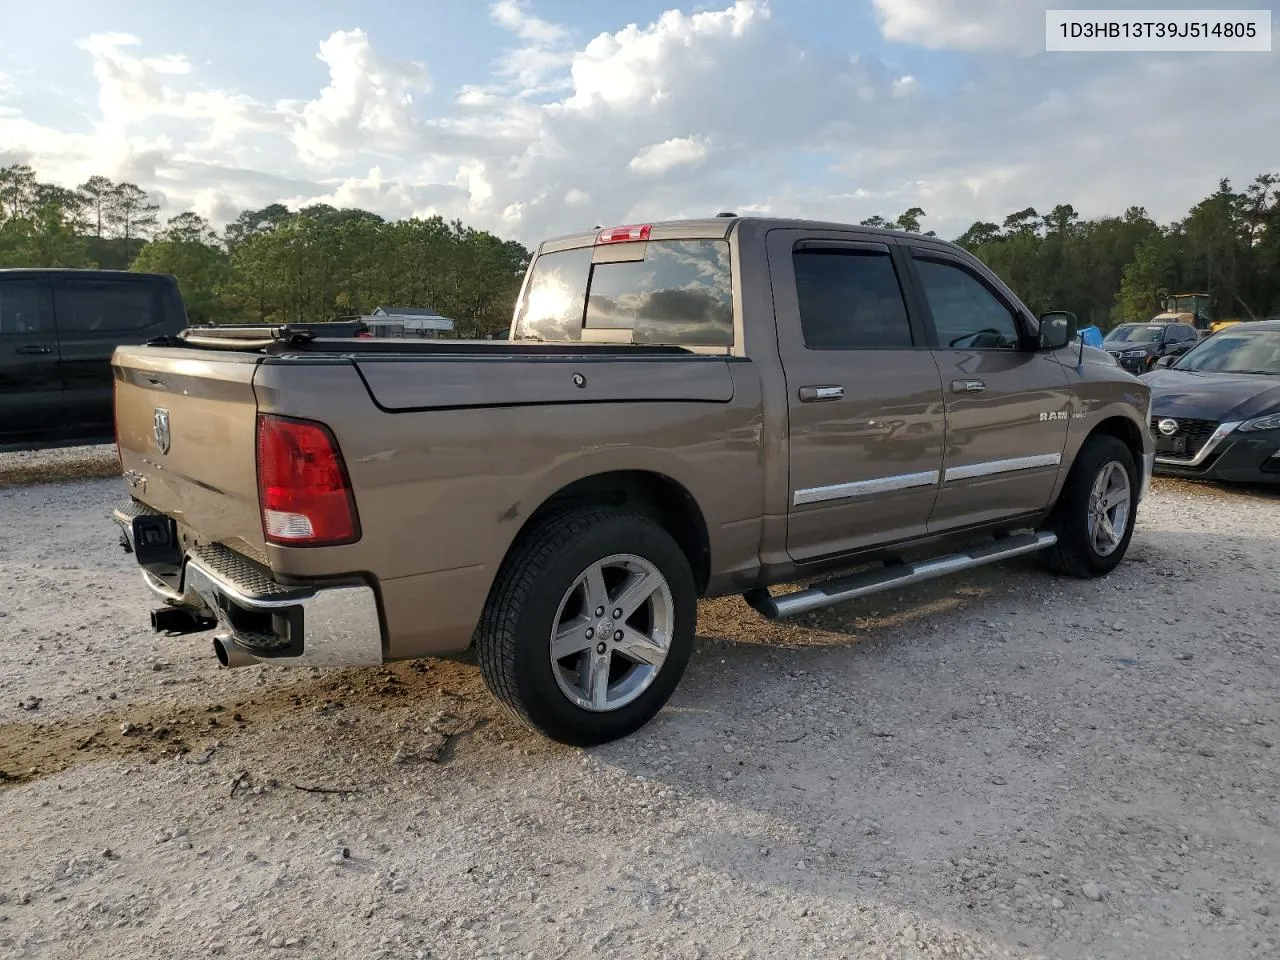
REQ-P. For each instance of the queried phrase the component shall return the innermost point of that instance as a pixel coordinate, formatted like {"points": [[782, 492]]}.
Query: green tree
{"points": [[96, 193], [189, 250]]}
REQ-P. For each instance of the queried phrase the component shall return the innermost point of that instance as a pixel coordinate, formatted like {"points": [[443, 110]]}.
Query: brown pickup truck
{"points": [[683, 410]]}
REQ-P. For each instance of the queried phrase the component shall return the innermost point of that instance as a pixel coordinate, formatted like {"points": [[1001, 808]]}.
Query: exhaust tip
{"points": [[231, 654]]}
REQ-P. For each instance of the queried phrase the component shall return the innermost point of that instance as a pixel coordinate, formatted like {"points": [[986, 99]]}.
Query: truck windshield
{"points": [[679, 294]]}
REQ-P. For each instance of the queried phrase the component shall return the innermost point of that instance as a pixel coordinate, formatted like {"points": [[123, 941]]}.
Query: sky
{"points": [[534, 118]]}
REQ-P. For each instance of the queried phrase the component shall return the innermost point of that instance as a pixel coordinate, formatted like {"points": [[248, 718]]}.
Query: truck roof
{"points": [[717, 228]]}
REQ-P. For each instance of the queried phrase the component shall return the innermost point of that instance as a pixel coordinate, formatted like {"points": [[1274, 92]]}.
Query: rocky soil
{"points": [[1004, 764]]}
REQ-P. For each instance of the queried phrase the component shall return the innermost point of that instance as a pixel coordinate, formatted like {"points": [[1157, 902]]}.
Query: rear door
{"points": [[95, 315], [863, 394], [30, 393], [1007, 405]]}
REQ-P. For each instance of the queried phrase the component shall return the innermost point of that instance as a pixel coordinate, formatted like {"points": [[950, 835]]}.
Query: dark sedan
{"points": [[1139, 346], [1215, 411]]}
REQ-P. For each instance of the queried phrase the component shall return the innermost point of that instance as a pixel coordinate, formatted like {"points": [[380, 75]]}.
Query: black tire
{"points": [[1075, 554], [513, 639]]}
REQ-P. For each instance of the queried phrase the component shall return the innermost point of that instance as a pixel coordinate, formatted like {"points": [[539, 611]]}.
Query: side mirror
{"points": [[1166, 361], [1057, 329]]}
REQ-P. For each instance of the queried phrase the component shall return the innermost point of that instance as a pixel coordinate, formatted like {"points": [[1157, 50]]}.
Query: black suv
{"points": [[58, 330], [1137, 346]]}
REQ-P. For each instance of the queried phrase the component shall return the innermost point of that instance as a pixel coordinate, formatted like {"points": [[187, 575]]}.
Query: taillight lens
{"points": [[303, 487]]}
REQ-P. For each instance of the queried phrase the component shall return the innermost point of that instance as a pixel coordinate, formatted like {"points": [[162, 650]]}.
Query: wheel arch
{"points": [[660, 497], [1124, 430]]}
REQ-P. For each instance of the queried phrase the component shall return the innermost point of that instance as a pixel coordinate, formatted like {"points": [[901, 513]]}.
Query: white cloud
{"points": [[514, 15], [676, 152], [367, 104], [974, 25]]}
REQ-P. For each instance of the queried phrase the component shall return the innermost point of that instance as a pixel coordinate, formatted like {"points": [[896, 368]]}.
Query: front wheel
{"points": [[589, 625], [1095, 513]]}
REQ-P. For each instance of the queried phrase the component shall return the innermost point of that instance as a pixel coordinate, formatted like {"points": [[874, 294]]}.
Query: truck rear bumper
{"points": [[322, 625]]}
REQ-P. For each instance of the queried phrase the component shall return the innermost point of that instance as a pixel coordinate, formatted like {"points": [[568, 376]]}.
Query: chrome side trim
{"points": [[992, 467], [865, 488], [1210, 445]]}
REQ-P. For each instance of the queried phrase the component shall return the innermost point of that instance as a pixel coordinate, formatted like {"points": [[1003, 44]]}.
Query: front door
{"points": [[864, 398], [30, 391], [1007, 406]]}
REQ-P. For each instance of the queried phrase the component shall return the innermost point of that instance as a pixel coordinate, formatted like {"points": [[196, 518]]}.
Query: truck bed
{"points": [[204, 390]]}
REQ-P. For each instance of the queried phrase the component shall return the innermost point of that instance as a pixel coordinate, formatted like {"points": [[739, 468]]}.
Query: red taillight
{"points": [[303, 487], [639, 231]]}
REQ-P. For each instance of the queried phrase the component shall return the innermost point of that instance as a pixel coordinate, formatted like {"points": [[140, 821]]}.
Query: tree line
{"points": [[279, 265], [1117, 269], [272, 265]]}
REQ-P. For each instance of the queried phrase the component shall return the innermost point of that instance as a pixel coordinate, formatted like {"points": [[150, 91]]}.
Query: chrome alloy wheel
{"points": [[1110, 505], [612, 632]]}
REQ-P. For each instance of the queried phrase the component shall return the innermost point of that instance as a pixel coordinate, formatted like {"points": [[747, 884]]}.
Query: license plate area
{"points": [[1174, 446], [156, 545]]}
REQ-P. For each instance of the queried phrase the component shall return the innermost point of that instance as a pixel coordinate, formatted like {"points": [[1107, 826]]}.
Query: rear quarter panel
{"points": [[443, 491]]}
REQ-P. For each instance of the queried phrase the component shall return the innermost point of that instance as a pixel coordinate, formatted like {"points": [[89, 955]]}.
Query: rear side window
{"points": [[849, 300], [22, 311], [679, 294], [109, 306]]}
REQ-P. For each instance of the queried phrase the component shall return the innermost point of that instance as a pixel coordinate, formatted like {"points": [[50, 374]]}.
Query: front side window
{"points": [[966, 315], [849, 300], [22, 310], [109, 306]]}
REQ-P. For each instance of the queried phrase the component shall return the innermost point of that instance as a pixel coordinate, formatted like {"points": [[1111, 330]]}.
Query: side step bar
{"points": [[891, 577]]}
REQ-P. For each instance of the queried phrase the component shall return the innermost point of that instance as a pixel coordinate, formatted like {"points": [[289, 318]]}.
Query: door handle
{"points": [[33, 349], [968, 386], [820, 394]]}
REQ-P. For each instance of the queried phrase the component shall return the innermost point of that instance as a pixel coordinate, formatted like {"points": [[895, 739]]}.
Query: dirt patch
{"points": [[152, 732], [58, 465]]}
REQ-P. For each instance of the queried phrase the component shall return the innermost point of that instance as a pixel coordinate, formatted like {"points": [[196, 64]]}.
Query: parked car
{"points": [[1215, 412], [1137, 346], [58, 330], [684, 409]]}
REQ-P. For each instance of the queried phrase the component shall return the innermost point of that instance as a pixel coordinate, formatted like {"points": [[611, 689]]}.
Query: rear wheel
{"points": [[1095, 513], [589, 625]]}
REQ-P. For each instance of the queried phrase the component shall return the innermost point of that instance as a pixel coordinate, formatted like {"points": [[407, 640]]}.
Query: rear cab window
{"points": [[678, 293]]}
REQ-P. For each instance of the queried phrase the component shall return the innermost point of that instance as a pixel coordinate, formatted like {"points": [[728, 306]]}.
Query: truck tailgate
{"points": [[186, 426]]}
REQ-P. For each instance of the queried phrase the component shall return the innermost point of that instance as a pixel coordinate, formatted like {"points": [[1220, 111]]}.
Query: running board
{"points": [[893, 576]]}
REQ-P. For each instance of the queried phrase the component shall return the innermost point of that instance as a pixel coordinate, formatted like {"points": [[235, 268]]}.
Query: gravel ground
{"points": [[59, 463], [1003, 764]]}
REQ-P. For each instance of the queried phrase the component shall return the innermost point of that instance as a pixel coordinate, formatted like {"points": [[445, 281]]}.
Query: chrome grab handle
{"points": [[819, 394]]}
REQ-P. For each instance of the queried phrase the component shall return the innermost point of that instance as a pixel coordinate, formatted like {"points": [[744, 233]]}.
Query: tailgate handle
{"points": [[33, 348], [968, 386], [820, 394]]}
